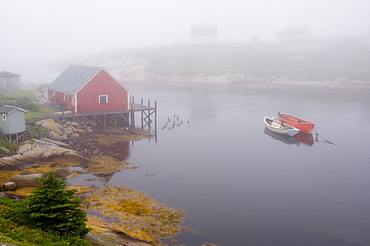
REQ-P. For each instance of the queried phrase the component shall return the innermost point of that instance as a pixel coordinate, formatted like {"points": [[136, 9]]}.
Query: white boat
{"points": [[277, 127]]}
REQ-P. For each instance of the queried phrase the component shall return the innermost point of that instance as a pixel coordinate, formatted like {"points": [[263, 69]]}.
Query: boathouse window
{"points": [[103, 98], [4, 117]]}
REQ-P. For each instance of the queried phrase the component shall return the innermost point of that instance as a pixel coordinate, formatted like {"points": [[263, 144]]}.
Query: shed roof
{"points": [[6, 74], [7, 109], [74, 78]]}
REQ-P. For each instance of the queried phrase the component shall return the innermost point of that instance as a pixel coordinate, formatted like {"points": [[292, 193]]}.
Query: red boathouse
{"points": [[84, 89]]}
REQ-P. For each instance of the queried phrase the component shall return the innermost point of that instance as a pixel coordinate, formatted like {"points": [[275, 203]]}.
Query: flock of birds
{"points": [[172, 122]]}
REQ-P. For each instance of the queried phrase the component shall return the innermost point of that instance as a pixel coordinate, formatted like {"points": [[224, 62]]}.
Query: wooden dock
{"points": [[116, 118]]}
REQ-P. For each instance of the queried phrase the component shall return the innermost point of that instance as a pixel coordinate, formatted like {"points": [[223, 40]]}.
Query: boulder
{"points": [[40, 152], [74, 124], [48, 124], [11, 196], [62, 173], [9, 163], [68, 131], [60, 129], [8, 186], [108, 236], [35, 153], [73, 156], [55, 136], [54, 142], [24, 148], [80, 130], [27, 180], [7, 151], [74, 135]]}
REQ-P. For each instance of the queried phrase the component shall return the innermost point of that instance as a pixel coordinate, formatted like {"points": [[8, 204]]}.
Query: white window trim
{"points": [[100, 96], [4, 117], [66, 97]]}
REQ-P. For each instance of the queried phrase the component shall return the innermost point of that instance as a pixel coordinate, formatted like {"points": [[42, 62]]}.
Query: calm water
{"points": [[243, 186]]}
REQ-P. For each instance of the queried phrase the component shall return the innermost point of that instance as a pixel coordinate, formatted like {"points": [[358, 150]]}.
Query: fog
{"points": [[36, 33]]}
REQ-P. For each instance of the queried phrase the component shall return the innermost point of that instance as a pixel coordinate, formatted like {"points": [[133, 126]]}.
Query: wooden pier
{"points": [[116, 118]]}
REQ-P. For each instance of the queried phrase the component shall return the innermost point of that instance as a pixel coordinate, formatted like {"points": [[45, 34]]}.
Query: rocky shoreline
{"points": [[68, 143]]}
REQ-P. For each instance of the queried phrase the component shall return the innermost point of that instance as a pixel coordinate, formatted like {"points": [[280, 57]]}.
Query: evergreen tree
{"points": [[52, 208]]}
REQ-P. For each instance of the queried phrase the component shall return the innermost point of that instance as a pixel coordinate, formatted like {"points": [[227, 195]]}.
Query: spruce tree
{"points": [[53, 208]]}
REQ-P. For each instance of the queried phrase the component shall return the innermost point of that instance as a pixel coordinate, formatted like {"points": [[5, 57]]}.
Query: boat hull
{"points": [[280, 128], [304, 126]]}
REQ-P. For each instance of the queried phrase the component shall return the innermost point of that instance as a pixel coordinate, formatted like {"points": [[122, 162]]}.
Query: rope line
{"points": [[325, 140]]}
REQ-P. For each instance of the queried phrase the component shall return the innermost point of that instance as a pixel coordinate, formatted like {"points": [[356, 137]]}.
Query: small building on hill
{"points": [[84, 89], [13, 122], [10, 81]]}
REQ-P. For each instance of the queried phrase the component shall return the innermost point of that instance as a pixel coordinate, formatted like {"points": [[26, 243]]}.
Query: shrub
{"points": [[12, 231], [31, 107], [11, 146], [37, 131], [52, 208]]}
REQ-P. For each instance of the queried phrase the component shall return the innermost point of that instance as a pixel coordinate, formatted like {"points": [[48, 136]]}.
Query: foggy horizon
{"points": [[38, 33]]}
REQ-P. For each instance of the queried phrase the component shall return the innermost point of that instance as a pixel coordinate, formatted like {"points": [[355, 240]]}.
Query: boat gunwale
{"points": [[303, 121], [284, 129]]}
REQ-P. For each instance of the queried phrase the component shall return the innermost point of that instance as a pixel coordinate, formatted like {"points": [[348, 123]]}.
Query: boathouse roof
{"points": [[74, 78]]}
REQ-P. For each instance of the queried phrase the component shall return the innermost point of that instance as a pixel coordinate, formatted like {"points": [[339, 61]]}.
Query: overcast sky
{"points": [[35, 33]]}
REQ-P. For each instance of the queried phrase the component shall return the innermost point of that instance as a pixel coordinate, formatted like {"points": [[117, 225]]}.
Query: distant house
{"points": [[12, 122], [84, 89], [10, 81]]}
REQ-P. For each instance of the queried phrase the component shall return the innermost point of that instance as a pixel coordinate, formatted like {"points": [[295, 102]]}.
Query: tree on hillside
{"points": [[52, 208]]}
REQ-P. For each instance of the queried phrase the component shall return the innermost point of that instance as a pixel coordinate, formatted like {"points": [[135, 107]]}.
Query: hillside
{"points": [[336, 63]]}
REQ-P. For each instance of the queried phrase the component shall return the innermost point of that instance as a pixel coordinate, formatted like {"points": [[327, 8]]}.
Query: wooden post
{"points": [[104, 115], [132, 112], [142, 114], [83, 115], [94, 116], [155, 120], [115, 117], [149, 116]]}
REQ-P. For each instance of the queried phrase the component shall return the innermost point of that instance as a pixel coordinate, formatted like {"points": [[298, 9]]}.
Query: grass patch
{"points": [[18, 94], [39, 115], [11, 146]]}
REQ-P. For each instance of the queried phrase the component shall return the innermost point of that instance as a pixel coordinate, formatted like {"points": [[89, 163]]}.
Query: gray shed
{"points": [[10, 81], [12, 122]]}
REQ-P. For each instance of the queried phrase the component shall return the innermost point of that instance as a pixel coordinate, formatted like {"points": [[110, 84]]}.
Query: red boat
{"points": [[304, 126]]}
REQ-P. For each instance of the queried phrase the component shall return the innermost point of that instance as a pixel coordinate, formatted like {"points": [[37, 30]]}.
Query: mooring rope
{"points": [[325, 140]]}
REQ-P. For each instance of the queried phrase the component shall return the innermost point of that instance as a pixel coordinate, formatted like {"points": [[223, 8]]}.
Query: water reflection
{"points": [[306, 139], [300, 138]]}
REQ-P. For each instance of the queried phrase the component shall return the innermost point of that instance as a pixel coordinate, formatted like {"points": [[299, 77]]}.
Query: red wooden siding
{"points": [[58, 100], [102, 84]]}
